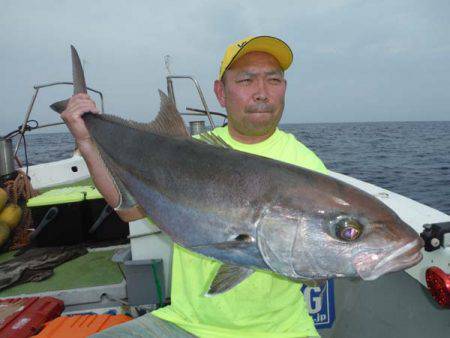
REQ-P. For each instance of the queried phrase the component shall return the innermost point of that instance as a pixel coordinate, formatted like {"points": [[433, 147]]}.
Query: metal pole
{"points": [[200, 93], [27, 116], [203, 112], [170, 91], [33, 99], [6, 157], [49, 125]]}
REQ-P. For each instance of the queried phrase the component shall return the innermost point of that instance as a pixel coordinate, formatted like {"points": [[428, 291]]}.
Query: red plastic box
{"points": [[24, 317]]}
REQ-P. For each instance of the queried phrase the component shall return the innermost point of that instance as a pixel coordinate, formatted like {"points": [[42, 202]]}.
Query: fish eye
{"points": [[348, 229]]}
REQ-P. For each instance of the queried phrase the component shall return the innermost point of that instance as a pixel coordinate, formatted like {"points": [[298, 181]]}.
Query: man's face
{"points": [[252, 91]]}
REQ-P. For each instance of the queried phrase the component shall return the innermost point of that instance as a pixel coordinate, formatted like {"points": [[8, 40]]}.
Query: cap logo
{"points": [[240, 45]]}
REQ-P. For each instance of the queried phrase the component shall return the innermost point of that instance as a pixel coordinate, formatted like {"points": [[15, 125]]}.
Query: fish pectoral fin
{"points": [[227, 277], [240, 241]]}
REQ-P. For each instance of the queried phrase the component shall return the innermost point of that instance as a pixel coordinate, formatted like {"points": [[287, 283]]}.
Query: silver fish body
{"points": [[247, 211]]}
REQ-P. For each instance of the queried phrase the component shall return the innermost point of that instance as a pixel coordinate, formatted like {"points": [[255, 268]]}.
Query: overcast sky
{"points": [[353, 60]]}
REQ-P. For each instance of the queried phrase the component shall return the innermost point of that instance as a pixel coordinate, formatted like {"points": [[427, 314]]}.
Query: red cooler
{"points": [[24, 317]]}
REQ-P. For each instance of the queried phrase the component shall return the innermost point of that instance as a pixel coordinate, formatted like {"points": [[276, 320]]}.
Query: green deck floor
{"points": [[92, 269]]}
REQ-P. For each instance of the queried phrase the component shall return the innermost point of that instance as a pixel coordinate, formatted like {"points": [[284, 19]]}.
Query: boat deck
{"points": [[91, 270]]}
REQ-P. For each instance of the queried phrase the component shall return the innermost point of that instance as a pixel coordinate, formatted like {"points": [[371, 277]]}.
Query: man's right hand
{"points": [[78, 105]]}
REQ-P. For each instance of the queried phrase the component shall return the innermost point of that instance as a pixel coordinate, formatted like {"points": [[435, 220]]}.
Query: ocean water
{"points": [[410, 158]]}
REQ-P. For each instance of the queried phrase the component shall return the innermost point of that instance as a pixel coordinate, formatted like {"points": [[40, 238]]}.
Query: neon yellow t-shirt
{"points": [[264, 305]]}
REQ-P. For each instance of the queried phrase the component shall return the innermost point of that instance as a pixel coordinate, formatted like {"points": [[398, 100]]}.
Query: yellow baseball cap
{"points": [[268, 44]]}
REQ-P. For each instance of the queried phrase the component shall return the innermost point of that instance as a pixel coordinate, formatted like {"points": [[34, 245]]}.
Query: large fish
{"points": [[247, 211]]}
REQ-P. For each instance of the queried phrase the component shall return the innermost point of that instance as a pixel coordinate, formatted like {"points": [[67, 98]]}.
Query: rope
{"points": [[20, 188], [30, 125], [19, 192]]}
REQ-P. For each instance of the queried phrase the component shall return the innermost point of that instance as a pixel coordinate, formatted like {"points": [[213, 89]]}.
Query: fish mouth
{"points": [[369, 267]]}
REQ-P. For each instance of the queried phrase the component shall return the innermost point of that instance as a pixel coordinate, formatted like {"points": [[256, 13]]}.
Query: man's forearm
{"points": [[103, 180], [99, 174]]}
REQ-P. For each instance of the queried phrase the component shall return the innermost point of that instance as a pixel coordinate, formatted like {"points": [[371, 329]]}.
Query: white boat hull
{"points": [[73, 171], [394, 305]]}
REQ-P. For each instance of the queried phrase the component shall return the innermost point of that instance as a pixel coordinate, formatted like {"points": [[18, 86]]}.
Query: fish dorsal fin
{"points": [[227, 277], [213, 140], [168, 122]]}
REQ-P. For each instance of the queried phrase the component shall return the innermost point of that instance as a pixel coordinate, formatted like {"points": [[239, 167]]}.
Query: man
{"points": [[251, 87]]}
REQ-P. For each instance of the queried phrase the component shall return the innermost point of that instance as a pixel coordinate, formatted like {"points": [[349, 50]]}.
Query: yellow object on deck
{"points": [[3, 198], [11, 215], [4, 234]]}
